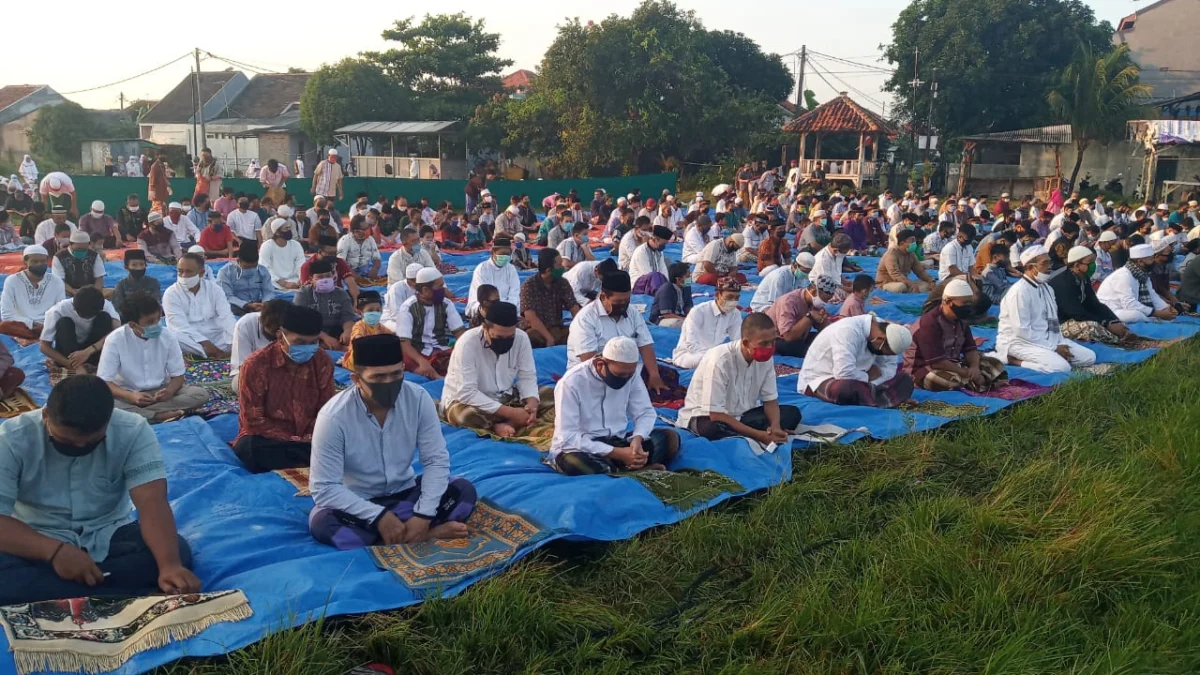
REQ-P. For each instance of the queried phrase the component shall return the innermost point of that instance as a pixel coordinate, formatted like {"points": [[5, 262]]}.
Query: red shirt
{"points": [[212, 240], [341, 270], [279, 398]]}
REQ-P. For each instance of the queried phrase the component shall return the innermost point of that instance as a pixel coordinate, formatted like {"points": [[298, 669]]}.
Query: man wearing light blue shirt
{"points": [[363, 447], [247, 284]]}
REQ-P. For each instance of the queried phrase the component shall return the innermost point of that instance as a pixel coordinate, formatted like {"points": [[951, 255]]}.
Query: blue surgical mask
{"points": [[152, 332], [416, 249], [302, 353], [372, 318]]}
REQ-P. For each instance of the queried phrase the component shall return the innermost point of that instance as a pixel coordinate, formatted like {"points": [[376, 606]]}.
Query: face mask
{"points": [[152, 332], [324, 285], [416, 249], [618, 311], [1043, 277], [1091, 270], [875, 349], [567, 226], [501, 345], [726, 306], [372, 318], [613, 380], [817, 302], [519, 244], [331, 259], [79, 255], [385, 393], [439, 296], [38, 270], [189, 282], [557, 272], [762, 354], [75, 450], [502, 260], [323, 221], [187, 209], [302, 353], [731, 249], [962, 311]]}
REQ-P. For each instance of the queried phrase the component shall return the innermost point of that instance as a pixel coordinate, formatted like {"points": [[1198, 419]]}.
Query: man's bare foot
{"points": [[451, 530], [504, 429], [168, 415]]}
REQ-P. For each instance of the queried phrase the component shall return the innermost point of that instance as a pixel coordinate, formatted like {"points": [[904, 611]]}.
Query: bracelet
{"points": [[61, 544]]}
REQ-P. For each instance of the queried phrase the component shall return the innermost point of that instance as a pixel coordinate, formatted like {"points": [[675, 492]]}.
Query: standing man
{"points": [[327, 178], [159, 187], [274, 181]]}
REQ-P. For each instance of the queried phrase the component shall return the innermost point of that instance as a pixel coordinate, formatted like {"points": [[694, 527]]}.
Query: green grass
{"points": [[1057, 537]]}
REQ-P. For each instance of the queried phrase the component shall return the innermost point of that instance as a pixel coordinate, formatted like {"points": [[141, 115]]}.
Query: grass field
{"points": [[1057, 537]]}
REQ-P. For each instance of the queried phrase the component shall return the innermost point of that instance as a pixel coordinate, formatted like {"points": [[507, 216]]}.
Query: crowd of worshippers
{"points": [[1083, 274]]}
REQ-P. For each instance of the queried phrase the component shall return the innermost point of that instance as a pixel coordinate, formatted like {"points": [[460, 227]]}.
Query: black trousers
{"points": [[260, 454], [755, 418], [67, 343], [661, 447], [796, 348]]}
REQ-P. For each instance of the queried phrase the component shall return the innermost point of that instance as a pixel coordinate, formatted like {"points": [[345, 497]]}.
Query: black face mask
{"points": [[618, 310], [874, 349], [731, 249], [501, 345], [331, 259], [613, 380], [75, 450], [963, 311], [137, 274], [385, 393]]}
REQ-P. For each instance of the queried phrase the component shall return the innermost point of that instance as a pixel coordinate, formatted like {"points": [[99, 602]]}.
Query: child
{"points": [[453, 236], [475, 235], [673, 301], [994, 281], [520, 255], [136, 282], [487, 294], [855, 304], [370, 305]]}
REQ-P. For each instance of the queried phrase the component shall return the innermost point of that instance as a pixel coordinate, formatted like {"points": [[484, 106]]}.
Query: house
{"points": [[19, 106], [1181, 108], [1162, 41], [517, 83]]}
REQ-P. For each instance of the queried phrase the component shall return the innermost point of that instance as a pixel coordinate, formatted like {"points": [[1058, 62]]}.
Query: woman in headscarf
{"points": [[208, 178], [122, 170], [160, 187], [252, 169], [29, 172], [133, 168]]}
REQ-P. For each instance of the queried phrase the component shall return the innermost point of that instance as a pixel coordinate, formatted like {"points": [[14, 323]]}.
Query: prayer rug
{"points": [[824, 433], [1099, 369], [364, 282], [59, 373], [18, 402], [494, 538], [943, 409], [877, 301], [1144, 343], [1014, 390], [194, 358], [96, 635], [685, 489], [444, 268], [538, 436], [222, 399], [783, 371], [298, 477], [206, 372]]}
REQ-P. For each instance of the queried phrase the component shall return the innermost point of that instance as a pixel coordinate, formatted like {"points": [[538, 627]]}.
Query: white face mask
{"points": [[187, 209], [817, 302], [189, 282], [1044, 277], [134, 208]]}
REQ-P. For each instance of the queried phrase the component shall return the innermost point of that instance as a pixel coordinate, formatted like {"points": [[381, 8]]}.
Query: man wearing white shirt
{"points": [[45, 229], [76, 327], [244, 223], [497, 272], [143, 366], [608, 317], [28, 295], [252, 332], [283, 257], [631, 240], [755, 233], [198, 312], [491, 383], [734, 390], [410, 252], [695, 238], [397, 295], [957, 256], [648, 261], [425, 324], [585, 278], [594, 403], [709, 324], [359, 250], [831, 260], [1029, 334], [185, 230], [781, 281], [855, 361], [1128, 291]]}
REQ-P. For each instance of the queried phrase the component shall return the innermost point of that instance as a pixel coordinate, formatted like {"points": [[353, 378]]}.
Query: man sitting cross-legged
{"points": [[1029, 334], [76, 327], [709, 324], [854, 362], [425, 323], [281, 387], [68, 473], [366, 438], [943, 355], [28, 295], [198, 311], [594, 403], [143, 365], [544, 298], [491, 382], [728, 383], [1081, 314]]}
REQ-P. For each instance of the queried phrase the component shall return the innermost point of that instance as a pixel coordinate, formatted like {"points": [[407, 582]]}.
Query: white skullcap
{"points": [[486, 191], [972, 200], [277, 223], [699, 194], [55, 182], [899, 337], [621, 200], [515, 210], [1163, 207], [428, 275], [1032, 252], [819, 213], [154, 217], [1141, 251], [285, 212], [629, 197], [196, 249], [333, 152], [1108, 235], [80, 237], [175, 205], [413, 270], [962, 202], [98, 205], [1108, 203], [957, 288], [35, 249], [621, 349], [738, 239], [1163, 244], [806, 260], [520, 236], [1078, 253], [737, 200]]}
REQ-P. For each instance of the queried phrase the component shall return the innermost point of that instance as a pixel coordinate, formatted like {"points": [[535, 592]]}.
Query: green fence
{"points": [[113, 191]]}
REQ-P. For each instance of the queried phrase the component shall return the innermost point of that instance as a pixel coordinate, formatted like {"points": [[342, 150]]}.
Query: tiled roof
{"points": [[268, 95], [1058, 134], [15, 92], [840, 115], [788, 106], [518, 79], [177, 106]]}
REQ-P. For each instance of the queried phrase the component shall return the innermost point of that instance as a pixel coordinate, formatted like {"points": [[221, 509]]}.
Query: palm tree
{"points": [[1098, 95]]}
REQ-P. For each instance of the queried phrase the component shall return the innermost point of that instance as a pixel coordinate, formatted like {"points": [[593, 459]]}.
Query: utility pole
{"points": [[929, 120], [122, 99], [800, 103], [200, 108], [916, 83]]}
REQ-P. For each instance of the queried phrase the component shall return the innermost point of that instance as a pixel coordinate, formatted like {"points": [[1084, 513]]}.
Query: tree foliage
{"points": [[57, 132], [631, 93], [995, 59], [448, 61], [1097, 95], [347, 92]]}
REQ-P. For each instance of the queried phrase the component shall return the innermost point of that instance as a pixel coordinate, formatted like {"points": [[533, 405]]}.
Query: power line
{"points": [[240, 64], [817, 66], [854, 63], [113, 84]]}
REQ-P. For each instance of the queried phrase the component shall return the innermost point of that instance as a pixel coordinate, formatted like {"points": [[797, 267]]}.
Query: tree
{"points": [[448, 61], [810, 99], [348, 92], [994, 60], [57, 132], [1098, 95]]}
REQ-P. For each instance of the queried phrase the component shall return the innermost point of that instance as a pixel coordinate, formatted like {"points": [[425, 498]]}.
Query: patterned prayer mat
{"points": [[298, 477], [1099, 369], [685, 489], [944, 409], [193, 357], [222, 399], [59, 373], [1144, 343], [1015, 390], [782, 371], [18, 402], [205, 372], [873, 300], [824, 433], [538, 436], [494, 538], [96, 635]]}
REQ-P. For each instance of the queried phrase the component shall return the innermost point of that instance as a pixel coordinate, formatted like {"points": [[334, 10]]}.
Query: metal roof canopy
{"points": [[398, 128]]}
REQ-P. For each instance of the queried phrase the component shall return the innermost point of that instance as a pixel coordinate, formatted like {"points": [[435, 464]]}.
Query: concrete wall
{"points": [[1164, 36], [1104, 162], [275, 146], [14, 138]]}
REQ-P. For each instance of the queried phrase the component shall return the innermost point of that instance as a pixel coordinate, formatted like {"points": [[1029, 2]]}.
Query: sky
{"points": [[74, 64]]}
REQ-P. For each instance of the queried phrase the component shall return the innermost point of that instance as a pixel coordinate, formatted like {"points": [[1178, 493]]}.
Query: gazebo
{"points": [[841, 116]]}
